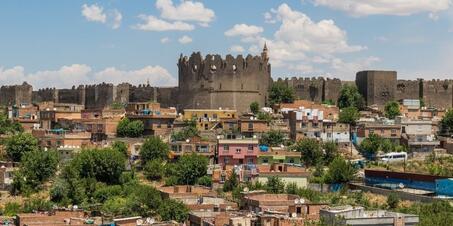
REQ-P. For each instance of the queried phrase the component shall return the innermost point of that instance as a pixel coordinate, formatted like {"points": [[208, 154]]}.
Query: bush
{"points": [[231, 183], [154, 170], [310, 150], [275, 185], [37, 204], [173, 210], [205, 181], [393, 200], [19, 144], [12, 209], [191, 167], [171, 181], [340, 171], [127, 128]]}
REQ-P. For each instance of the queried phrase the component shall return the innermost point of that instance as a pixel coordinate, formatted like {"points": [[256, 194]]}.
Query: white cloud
{"points": [[151, 23], [237, 49], [117, 17], [185, 40], [94, 13], [77, 74], [164, 40], [244, 30], [386, 7], [300, 44], [186, 11]]}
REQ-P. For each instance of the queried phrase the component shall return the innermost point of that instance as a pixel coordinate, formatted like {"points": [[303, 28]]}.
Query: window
{"points": [[291, 160], [226, 160], [214, 116], [249, 160], [315, 125], [206, 126], [250, 126], [250, 147], [371, 131], [382, 131], [329, 135], [265, 160], [168, 124], [238, 150], [303, 125], [159, 125], [226, 147]]}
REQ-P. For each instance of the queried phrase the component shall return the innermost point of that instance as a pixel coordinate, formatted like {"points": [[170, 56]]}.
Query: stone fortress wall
{"points": [[233, 83]]}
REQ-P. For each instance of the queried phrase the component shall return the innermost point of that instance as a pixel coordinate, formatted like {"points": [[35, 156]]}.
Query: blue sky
{"points": [[54, 43]]}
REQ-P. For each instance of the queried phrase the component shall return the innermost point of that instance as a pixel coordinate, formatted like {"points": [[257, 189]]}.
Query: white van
{"points": [[393, 157]]}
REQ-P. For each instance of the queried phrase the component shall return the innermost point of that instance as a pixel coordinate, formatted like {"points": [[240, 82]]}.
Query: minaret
{"points": [[264, 54]]}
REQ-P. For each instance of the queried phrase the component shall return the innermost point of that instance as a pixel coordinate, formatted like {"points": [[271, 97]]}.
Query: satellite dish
{"points": [[75, 207], [246, 189], [296, 201], [401, 185], [139, 222], [301, 201]]}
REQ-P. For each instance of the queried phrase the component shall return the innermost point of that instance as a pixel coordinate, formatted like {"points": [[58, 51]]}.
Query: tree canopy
{"points": [[7, 126], [254, 107], [190, 130], [350, 97], [446, 124], [273, 138], [153, 149], [19, 144], [392, 109], [128, 128], [349, 115], [310, 150], [281, 93], [340, 171], [191, 167]]}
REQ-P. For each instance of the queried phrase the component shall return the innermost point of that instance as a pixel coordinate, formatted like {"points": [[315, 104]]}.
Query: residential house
{"points": [[196, 145], [286, 172], [158, 121], [278, 155], [210, 119], [237, 151], [305, 123]]}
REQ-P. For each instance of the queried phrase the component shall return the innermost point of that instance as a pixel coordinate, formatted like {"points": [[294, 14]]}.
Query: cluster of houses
{"points": [[231, 142]]}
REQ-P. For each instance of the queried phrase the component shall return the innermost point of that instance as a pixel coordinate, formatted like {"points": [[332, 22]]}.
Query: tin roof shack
{"points": [[7, 170], [355, 216], [60, 138], [196, 145], [288, 173], [305, 123], [237, 151], [393, 180]]}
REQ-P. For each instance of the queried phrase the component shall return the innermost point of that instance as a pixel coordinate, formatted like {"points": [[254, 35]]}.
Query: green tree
{"points": [[387, 146], [255, 107], [190, 130], [310, 150], [191, 167], [154, 170], [264, 116], [116, 206], [273, 138], [446, 124], [19, 144], [371, 145], [37, 204], [275, 185], [173, 210], [340, 171], [330, 151], [153, 148], [291, 188], [392, 109], [128, 128], [9, 127], [135, 128], [36, 168], [349, 115], [350, 97], [393, 200], [281, 93], [122, 127], [104, 165], [120, 146], [231, 183]]}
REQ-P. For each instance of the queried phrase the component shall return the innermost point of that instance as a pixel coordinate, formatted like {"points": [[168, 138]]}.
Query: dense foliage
{"points": [[128, 128], [153, 169], [281, 93], [340, 171], [36, 167], [152, 149], [191, 167], [350, 97], [120, 146], [349, 115], [275, 185], [190, 130], [273, 138], [19, 144], [392, 109], [254, 107], [310, 150], [446, 124], [9, 127]]}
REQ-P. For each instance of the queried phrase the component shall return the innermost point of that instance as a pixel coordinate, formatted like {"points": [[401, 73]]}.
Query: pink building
{"points": [[238, 151]]}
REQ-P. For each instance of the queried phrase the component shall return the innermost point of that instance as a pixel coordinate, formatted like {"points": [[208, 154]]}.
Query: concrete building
{"points": [[358, 216], [305, 123], [287, 173], [389, 131], [209, 119], [237, 151], [336, 132], [194, 145], [278, 155], [418, 135]]}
